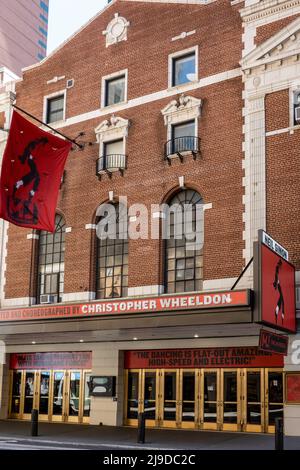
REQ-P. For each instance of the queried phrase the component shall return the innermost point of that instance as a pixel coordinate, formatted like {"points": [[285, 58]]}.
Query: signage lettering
{"points": [[274, 246], [202, 358], [51, 360], [153, 304], [273, 342]]}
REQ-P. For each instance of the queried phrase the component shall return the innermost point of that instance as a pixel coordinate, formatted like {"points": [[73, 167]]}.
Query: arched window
{"points": [[112, 263], [183, 260], [51, 264]]}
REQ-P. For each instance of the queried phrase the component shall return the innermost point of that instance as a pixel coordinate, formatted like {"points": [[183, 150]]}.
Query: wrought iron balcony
{"points": [[111, 163], [181, 146]]}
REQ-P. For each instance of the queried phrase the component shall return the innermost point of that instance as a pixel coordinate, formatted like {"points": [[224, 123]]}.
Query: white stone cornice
{"points": [[267, 8]]}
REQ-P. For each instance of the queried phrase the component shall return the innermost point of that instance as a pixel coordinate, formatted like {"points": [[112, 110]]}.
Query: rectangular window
{"points": [[184, 69], [44, 7], [115, 90], [114, 148], [113, 157], [42, 44], [296, 108], [55, 109], [183, 137], [43, 18], [43, 31]]}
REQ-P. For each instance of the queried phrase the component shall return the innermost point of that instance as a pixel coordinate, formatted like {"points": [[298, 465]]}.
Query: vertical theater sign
{"points": [[274, 285]]}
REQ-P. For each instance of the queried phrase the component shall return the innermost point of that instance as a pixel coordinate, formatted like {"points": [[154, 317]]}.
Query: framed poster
{"points": [[292, 388]]}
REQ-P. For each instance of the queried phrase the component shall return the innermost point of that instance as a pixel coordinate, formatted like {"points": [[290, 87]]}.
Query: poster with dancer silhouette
{"points": [[33, 164], [274, 285]]}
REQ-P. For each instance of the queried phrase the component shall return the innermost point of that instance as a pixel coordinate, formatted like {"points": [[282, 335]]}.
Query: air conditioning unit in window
{"points": [[297, 114], [47, 299], [70, 83]]}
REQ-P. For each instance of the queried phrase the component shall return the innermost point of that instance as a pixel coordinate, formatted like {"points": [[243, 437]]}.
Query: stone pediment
{"points": [[185, 106], [113, 127], [282, 46]]}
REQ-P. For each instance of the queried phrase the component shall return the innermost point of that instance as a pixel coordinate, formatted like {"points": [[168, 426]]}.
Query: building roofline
{"points": [[112, 2], [58, 48]]}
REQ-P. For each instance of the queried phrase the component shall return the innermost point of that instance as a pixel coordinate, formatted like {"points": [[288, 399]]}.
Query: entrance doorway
{"points": [[216, 399], [59, 395]]}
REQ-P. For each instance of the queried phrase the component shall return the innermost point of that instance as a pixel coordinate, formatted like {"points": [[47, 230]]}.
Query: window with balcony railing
{"points": [[113, 158], [183, 139]]}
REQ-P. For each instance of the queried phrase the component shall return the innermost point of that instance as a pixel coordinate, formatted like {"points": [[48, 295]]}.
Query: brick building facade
{"points": [[184, 100]]}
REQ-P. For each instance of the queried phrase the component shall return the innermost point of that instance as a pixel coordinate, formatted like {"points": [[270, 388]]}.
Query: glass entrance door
{"points": [[44, 395], [73, 396], [253, 404], [187, 399], [274, 397], [230, 400], [209, 405], [215, 399], [132, 394], [58, 396], [16, 393], [149, 400], [86, 397], [170, 398], [30, 394]]}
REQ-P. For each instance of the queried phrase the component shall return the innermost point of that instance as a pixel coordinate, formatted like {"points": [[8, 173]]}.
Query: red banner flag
{"points": [[33, 164]]}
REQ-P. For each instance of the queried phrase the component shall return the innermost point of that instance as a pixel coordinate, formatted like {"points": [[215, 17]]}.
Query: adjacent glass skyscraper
{"points": [[23, 33]]}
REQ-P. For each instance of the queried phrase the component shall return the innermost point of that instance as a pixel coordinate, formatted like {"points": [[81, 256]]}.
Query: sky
{"points": [[67, 16]]}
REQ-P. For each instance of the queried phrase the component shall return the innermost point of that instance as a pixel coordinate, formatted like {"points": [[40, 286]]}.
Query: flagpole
{"points": [[81, 146]]}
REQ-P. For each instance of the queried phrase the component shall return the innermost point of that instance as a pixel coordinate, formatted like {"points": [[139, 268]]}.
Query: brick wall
{"points": [[282, 175], [277, 110], [217, 175]]}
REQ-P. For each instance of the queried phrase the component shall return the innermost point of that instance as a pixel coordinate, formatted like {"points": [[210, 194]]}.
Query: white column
{"points": [[254, 165]]}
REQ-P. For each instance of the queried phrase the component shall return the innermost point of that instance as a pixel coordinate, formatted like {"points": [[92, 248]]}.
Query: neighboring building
{"points": [[24, 31], [182, 101]]}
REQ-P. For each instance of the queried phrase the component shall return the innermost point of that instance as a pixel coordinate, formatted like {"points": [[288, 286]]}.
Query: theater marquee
{"points": [[166, 303]]}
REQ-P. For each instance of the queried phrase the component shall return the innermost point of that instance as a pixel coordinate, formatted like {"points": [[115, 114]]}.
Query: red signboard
{"points": [[293, 388], [201, 358], [274, 289], [269, 341], [52, 360], [205, 301]]}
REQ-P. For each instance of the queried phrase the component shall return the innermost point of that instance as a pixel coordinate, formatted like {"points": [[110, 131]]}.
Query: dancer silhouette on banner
{"points": [[24, 209], [277, 286]]}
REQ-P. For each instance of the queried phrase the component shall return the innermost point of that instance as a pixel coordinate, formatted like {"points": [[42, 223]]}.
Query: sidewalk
{"points": [[126, 438]]}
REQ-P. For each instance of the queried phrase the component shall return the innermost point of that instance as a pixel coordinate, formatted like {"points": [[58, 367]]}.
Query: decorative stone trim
{"points": [[90, 226], [186, 108], [79, 296], [115, 128], [146, 290], [267, 8], [68, 229], [56, 79], [116, 30], [33, 236], [281, 46], [183, 35]]}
